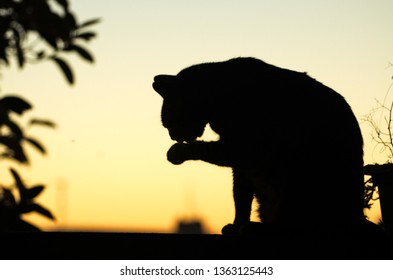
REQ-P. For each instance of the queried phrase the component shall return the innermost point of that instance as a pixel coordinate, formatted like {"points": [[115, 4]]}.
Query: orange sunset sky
{"points": [[106, 167]]}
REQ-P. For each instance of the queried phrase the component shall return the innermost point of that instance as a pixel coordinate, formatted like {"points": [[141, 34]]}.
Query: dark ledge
{"points": [[148, 246]]}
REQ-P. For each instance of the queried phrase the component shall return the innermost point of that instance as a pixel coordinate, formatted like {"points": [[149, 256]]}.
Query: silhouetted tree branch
{"points": [[382, 135], [382, 130], [32, 32]]}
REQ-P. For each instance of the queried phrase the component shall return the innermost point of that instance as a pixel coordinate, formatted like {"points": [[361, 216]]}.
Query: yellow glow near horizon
{"points": [[107, 167]]}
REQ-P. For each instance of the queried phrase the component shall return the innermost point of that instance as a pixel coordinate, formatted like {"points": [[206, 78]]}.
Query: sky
{"points": [[106, 166]]}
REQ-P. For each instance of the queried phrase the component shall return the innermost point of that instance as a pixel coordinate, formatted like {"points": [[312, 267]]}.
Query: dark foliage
{"points": [[31, 32], [11, 208]]}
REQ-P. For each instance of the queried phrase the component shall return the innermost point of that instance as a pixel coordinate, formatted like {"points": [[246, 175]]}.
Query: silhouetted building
{"points": [[189, 227]]}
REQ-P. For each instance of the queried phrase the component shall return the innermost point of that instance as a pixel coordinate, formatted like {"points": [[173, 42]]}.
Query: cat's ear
{"points": [[165, 84]]}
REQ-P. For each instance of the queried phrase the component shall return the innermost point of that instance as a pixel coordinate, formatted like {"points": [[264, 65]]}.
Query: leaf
{"points": [[49, 38], [19, 183], [65, 68], [4, 43], [20, 54], [14, 149], [69, 21], [43, 211], [34, 191], [18, 36], [16, 131], [63, 3], [87, 36], [7, 198], [36, 144], [82, 52], [19, 155], [42, 122], [89, 22], [15, 104]]}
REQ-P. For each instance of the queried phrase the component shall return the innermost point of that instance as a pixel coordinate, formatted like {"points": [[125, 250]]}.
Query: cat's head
{"points": [[183, 112]]}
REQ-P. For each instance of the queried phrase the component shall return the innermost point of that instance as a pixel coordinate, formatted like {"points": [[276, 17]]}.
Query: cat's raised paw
{"points": [[177, 153]]}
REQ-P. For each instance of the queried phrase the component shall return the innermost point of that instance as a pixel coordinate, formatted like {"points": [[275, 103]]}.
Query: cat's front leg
{"points": [[212, 152], [243, 194]]}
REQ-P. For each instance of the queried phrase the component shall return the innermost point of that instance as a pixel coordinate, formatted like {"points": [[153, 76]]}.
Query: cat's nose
{"points": [[175, 137], [164, 84]]}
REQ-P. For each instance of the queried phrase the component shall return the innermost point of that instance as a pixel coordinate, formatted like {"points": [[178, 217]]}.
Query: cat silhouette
{"points": [[293, 143]]}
